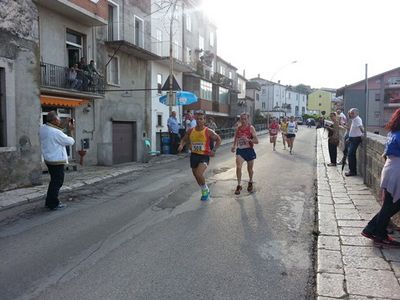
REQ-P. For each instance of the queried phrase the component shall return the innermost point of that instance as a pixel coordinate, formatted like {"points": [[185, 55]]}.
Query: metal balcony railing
{"points": [[54, 76]]}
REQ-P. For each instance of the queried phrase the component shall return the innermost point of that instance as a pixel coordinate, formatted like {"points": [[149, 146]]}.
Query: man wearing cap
{"points": [[199, 139]]}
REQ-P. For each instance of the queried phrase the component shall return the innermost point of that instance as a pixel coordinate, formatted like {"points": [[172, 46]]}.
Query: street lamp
{"points": [[281, 68]]}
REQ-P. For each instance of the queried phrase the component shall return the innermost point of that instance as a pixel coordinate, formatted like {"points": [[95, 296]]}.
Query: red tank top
{"points": [[273, 129], [243, 135]]}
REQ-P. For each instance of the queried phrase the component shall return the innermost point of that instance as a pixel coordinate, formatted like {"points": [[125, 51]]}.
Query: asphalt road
{"points": [[146, 235]]}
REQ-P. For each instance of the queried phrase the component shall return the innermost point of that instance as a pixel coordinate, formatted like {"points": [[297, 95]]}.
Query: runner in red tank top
{"points": [[245, 138]]}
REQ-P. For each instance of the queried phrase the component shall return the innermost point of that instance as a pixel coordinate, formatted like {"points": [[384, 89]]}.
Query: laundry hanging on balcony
{"points": [[181, 98]]}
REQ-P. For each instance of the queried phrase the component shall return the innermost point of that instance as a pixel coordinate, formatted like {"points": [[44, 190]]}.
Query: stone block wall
{"points": [[19, 62], [370, 164]]}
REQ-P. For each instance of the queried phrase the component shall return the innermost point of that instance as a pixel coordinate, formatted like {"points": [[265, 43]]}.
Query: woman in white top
{"points": [[291, 133]]}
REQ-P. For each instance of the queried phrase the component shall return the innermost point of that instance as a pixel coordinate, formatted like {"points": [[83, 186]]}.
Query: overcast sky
{"points": [[331, 40]]}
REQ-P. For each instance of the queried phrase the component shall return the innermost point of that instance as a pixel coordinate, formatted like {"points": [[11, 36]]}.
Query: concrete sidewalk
{"points": [[349, 266], [84, 176]]}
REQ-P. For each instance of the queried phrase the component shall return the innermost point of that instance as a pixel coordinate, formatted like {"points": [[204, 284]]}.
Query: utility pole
{"points": [[366, 123], [171, 59]]}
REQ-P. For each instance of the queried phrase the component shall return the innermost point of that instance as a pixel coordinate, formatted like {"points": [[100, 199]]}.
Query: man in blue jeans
{"points": [[355, 133], [53, 141]]}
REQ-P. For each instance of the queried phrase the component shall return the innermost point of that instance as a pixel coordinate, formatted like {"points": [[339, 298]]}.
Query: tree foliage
{"points": [[259, 118], [304, 89]]}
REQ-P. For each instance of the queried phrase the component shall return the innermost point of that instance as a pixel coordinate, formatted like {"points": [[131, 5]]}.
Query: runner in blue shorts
{"points": [[245, 138]]}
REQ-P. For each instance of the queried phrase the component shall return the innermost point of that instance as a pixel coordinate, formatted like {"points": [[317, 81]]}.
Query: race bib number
{"points": [[291, 129], [274, 131], [198, 147], [243, 143]]}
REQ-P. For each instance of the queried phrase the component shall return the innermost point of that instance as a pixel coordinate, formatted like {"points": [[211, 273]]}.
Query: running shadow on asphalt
{"points": [[253, 236]]}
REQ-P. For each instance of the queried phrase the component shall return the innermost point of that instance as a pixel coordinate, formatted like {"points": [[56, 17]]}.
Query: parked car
{"points": [[299, 120], [310, 122]]}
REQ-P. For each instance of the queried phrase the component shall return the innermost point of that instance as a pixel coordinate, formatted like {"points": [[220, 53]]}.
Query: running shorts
{"points": [[196, 159], [247, 154], [290, 135]]}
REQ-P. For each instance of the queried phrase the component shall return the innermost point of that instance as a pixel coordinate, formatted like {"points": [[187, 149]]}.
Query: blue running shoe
{"points": [[205, 194]]}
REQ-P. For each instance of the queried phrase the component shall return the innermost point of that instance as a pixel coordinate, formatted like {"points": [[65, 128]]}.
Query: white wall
{"points": [[156, 106], [53, 28]]}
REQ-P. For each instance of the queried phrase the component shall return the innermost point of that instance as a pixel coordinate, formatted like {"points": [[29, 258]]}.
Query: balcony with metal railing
{"points": [[223, 80], [61, 80]]}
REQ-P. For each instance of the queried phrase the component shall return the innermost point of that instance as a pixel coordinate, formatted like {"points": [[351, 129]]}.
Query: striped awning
{"points": [[61, 101]]}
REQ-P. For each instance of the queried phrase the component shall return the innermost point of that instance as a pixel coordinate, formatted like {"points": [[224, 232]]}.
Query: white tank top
{"points": [[291, 128]]}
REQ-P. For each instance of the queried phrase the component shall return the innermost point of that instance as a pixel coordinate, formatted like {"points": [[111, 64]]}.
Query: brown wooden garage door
{"points": [[124, 142]]}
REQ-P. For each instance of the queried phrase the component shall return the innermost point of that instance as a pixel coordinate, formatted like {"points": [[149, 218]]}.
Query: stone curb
{"points": [[348, 265]]}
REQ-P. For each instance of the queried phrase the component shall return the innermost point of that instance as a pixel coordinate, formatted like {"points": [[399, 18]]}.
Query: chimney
{"points": [[244, 73], [258, 75]]}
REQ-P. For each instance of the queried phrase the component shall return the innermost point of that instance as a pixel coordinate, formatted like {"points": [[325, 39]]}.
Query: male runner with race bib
{"points": [[199, 139]]}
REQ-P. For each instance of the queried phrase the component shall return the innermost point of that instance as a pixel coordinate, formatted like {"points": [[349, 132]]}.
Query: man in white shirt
{"points": [[54, 141], [173, 129], [355, 133], [190, 121]]}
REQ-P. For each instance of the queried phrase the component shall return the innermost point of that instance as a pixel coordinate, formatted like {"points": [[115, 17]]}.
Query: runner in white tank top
{"points": [[291, 133]]}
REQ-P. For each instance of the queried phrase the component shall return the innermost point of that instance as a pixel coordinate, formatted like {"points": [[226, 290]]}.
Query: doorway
{"points": [[124, 142]]}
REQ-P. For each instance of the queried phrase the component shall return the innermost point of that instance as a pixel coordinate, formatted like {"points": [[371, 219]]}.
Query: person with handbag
{"points": [[333, 139]]}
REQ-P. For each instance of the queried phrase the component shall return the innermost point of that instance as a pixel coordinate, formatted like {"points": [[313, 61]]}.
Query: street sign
{"points": [[175, 85]]}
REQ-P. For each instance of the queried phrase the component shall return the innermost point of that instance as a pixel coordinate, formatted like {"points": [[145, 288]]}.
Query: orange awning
{"points": [[60, 101]]}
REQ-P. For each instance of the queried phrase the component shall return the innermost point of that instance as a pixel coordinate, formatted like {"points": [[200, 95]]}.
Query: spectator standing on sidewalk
{"points": [[198, 139], [390, 183], [212, 125], [355, 133], [173, 129], [342, 117], [333, 139], [53, 141], [190, 121]]}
